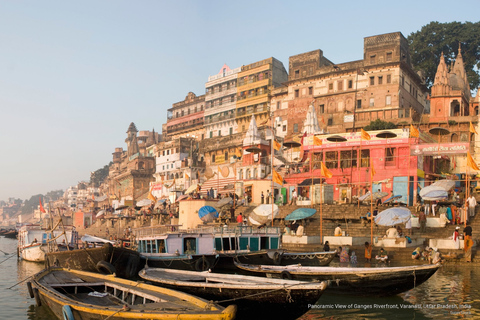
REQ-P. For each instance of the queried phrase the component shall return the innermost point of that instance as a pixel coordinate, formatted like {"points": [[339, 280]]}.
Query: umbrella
{"points": [[183, 196], [253, 149], [300, 214], [262, 214], [392, 198], [393, 216], [386, 135], [207, 213], [192, 188], [89, 238], [429, 189], [223, 202], [378, 195], [143, 203], [365, 196], [445, 184], [436, 195], [291, 144], [336, 138], [100, 213]]}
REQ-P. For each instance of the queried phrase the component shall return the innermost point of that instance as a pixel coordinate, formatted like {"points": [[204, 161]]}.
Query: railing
{"points": [[215, 230]]}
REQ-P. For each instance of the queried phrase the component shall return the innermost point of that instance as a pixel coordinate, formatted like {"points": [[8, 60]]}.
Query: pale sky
{"points": [[74, 74]]}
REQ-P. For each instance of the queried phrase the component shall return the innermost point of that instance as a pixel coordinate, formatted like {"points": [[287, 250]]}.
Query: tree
{"points": [[98, 176], [380, 125], [427, 45]]}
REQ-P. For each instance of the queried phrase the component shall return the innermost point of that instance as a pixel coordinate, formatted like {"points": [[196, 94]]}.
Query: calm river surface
{"points": [[452, 293]]}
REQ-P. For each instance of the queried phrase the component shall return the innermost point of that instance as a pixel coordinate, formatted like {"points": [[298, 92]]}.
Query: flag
{"points": [[365, 135], [41, 206], [264, 122], [317, 141], [372, 170], [276, 145], [303, 137], [151, 196], [472, 129], [325, 172], [277, 178], [414, 133], [187, 176], [238, 153], [470, 162]]}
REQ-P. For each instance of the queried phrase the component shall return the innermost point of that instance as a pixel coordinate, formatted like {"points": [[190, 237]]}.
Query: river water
{"points": [[452, 293]]}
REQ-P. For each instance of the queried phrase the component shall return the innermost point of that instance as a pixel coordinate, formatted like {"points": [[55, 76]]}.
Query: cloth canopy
{"points": [[393, 216], [301, 213]]}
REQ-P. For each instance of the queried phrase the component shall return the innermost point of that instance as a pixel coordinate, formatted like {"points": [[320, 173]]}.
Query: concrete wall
{"points": [[188, 212]]}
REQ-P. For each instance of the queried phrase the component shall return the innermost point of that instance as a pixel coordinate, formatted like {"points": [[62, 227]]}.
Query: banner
{"points": [[432, 149]]}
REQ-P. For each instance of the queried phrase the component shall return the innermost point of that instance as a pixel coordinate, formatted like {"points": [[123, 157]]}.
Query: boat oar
{"points": [[16, 284], [5, 252]]}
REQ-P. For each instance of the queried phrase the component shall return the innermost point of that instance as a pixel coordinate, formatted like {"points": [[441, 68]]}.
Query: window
{"points": [[213, 158], [380, 80], [389, 56], [340, 85], [389, 78], [295, 127], [310, 90], [372, 102], [372, 81], [388, 100], [296, 93], [330, 122], [359, 104], [297, 74], [219, 133], [350, 84], [278, 105], [230, 131], [331, 159], [226, 155], [322, 108], [372, 59], [390, 156], [330, 86], [365, 158], [211, 134], [403, 80], [284, 127]]}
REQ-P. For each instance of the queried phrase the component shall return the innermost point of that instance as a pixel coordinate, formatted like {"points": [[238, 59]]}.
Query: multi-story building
{"points": [[220, 102], [254, 86], [186, 118], [348, 96]]}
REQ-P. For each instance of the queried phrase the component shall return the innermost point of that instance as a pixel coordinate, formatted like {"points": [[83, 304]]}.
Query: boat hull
{"points": [[127, 262], [255, 300], [33, 253], [71, 292], [183, 262], [358, 281]]}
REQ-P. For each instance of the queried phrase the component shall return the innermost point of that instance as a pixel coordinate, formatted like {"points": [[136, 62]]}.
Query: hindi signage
{"points": [[439, 149]]}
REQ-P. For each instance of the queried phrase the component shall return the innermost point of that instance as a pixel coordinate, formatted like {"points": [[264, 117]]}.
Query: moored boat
{"points": [[256, 297], [358, 281], [75, 294], [125, 263]]}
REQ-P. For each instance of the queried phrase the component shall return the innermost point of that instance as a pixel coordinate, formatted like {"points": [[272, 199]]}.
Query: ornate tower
{"points": [[132, 144]]}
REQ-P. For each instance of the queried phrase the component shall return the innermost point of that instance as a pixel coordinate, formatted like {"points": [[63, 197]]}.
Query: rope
{"points": [[286, 288], [16, 284], [414, 279], [124, 308]]}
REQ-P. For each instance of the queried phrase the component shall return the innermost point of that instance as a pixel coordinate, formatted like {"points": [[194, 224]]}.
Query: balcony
{"points": [[217, 119]]}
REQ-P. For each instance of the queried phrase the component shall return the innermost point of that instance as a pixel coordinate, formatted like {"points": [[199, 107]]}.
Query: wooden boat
{"points": [[125, 263], [359, 281], [75, 294], [12, 234], [34, 241], [198, 249], [256, 297]]}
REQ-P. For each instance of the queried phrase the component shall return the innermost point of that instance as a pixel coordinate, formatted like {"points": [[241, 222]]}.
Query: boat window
{"points": [[254, 244], [234, 243], [161, 246], [264, 243], [218, 244], [273, 243], [190, 246], [243, 243], [149, 246], [226, 244]]}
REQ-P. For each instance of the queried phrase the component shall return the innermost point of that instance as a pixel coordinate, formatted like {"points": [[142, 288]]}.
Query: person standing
{"points": [[422, 220], [468, 242], [294, 197], [368, 252], [262, 197], [472, 202], [408, 227], [268, 196], [456, 240]]}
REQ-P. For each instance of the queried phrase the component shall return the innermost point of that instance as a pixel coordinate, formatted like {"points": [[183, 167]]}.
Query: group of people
{"points": [[346, 257], [429, 254]]}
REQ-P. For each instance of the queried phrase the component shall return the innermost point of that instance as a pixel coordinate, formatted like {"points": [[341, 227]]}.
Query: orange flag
{"points": [[325, 172], [41, 206], [470, 162], [277, 178], [276, 145], [317, 141], [414, 133], [365, 135], [472, 128], [151, 196], [372, 170]]}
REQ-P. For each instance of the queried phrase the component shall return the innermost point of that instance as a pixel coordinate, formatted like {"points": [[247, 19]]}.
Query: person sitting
{"points": [[416, 253], [353, 258], [338, 231], [326, 246], [400, 232], [443, 219], [382, 256], [344, 257], [300, 231], [392, 233], [436, 257]]}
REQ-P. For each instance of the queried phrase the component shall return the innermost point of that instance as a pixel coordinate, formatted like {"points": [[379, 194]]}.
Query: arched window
{"points": [[247, 174], [240, 174], [226, 155], [454, 138], [255, 173]]}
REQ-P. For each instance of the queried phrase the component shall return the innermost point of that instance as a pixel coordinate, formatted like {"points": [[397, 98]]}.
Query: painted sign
{"points": [[436, 149], [348, 118]]}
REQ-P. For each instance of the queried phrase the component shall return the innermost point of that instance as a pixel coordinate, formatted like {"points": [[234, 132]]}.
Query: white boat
{"points": [[33, 241]]}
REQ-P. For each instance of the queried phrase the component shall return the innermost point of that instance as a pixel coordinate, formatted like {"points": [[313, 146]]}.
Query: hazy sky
{"points": [[73, 75]]}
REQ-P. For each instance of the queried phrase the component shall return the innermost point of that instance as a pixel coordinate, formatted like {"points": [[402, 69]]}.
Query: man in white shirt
{"points": [[472, 202], [338, 231]]}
